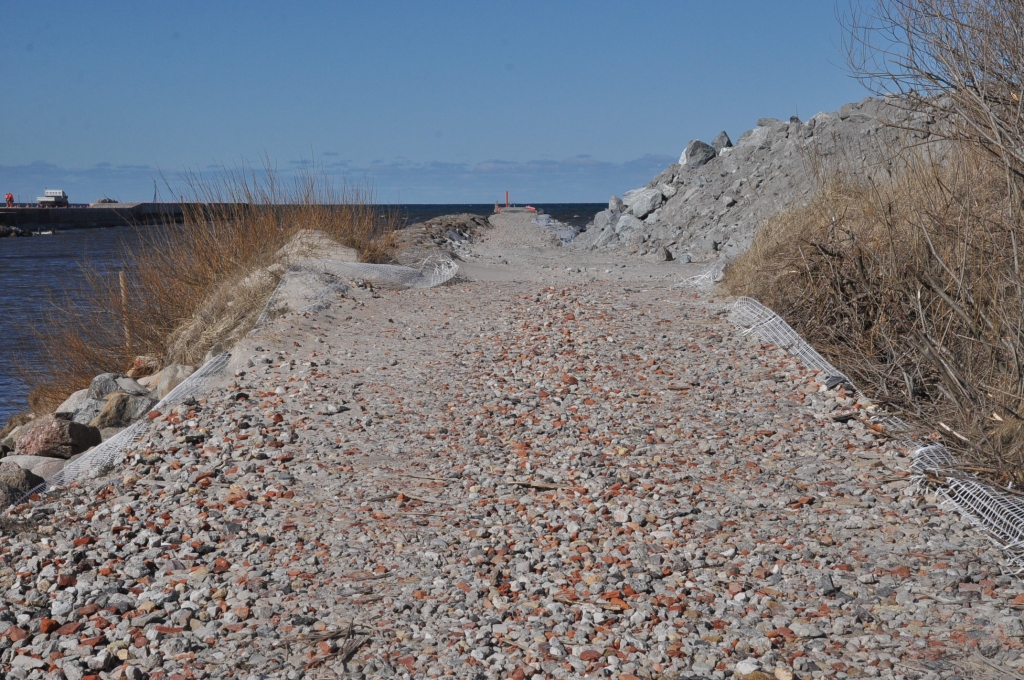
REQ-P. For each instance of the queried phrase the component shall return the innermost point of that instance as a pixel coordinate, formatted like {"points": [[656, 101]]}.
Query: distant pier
{"points": [[34, 218]]}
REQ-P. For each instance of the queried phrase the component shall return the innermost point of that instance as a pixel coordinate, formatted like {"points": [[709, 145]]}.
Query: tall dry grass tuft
{"points": [[200, 285], [912, 285]]}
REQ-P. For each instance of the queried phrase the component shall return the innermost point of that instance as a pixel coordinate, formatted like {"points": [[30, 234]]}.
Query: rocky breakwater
{"points": [[40, 448], [715, 198], [447, 234]]}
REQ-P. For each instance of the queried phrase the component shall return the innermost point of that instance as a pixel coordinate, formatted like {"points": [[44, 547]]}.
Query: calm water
{"points": [[35, 270]]}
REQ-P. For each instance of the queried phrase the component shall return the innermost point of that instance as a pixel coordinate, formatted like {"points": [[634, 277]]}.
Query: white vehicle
{"points": [[53, 197]]}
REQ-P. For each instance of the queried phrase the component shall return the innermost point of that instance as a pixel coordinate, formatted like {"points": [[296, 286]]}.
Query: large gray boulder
{"points": [[72, 405], [627, 225], [697, 154], [88, 411], [15, 476], [9, 495], [172, 376], [11, 440], [53, 437], [104, 384], [721, 141], [39, 466], [642, 202], [129, 385], [122, 409]]}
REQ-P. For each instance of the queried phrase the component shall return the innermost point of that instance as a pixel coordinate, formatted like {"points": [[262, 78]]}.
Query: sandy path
{"points": [[531, 473]]}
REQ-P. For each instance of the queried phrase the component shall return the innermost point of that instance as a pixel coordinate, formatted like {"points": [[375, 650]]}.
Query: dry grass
{"points": [[198, 286], [912, 285]]}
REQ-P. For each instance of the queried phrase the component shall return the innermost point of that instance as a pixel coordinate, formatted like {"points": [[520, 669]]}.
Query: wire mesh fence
{"points": [[431, 272], [997, 513]]}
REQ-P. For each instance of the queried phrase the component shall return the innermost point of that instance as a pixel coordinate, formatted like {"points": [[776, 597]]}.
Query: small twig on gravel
{"points": [[603, 605], [542, 485], [372, 577], [320, 636], [345, 651], [396, 494], [435, 479], [422, 498], [513, 643], [1003, 670]]}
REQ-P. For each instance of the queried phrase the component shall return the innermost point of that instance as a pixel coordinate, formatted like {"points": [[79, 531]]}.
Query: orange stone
{"points": [[70, 628]]}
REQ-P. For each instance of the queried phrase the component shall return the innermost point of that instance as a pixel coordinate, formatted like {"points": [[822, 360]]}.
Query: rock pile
{"points": [[448, 234], [112, 402], [715, 198]]}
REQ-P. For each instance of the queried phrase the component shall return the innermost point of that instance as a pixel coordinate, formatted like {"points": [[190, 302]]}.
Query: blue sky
{"points": [[430, 102]]}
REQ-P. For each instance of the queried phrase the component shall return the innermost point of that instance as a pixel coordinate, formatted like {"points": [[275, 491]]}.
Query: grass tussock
{"points": [[187, 289], [912, 285]]}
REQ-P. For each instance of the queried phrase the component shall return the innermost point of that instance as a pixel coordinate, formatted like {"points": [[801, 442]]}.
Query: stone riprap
{"points": [[548, 474], [715, 198]]}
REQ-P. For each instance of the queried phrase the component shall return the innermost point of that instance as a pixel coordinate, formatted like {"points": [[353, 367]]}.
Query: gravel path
{"points": [[552, 477]]}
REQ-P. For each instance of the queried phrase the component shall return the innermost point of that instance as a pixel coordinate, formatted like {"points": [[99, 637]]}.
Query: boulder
{"points": [[697, 154], [17, 477], [122, 409], [628, 224], [11, 440], [9, 495], [88, 411], [72, 405], [721, 141], [667, 190], [171, 377], [52, 437], [642, 202], [615, 204], [103, 384], [39, 466], [143, 366], [129, 385]]}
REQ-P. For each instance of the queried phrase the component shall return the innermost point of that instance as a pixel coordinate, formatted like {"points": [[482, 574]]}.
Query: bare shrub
{"points": [[911, 285], [961, 61], [196, 286]]}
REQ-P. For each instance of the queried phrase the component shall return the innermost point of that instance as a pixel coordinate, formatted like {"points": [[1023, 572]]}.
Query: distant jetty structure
{"points": [[90, 216]]}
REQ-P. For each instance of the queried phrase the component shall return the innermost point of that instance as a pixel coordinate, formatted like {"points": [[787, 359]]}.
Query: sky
{"points": [[424, 102]]}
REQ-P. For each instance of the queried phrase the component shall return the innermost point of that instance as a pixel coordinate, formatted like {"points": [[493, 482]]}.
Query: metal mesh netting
{"points": [[101, 457], [996, 513], [754, 317], [431, 272]]}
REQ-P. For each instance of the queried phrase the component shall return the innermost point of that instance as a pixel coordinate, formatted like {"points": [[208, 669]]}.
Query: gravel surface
{"points": [[550, 477]]}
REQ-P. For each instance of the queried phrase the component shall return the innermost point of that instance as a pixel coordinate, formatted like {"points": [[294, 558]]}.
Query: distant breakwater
{"points": [[31, 218]]}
